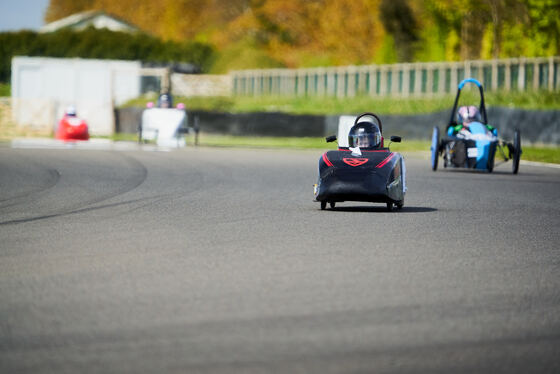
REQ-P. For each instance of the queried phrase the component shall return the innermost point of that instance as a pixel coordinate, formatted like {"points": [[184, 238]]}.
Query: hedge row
{"points": [[100, 44]]}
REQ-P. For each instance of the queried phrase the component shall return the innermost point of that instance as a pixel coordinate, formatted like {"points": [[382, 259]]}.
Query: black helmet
{"points": [[365, 134], [165, 101]]}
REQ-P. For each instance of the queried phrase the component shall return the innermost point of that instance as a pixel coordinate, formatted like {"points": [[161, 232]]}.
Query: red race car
{"points": [[70, 127]]}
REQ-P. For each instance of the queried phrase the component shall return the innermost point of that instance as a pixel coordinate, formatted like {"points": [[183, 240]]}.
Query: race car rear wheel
{"points": [[332, 204], [435, 148], [516, 151], [490, 164], [323, 205], [389, 207]]}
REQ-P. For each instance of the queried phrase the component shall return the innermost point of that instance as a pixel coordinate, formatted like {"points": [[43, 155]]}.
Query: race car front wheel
{"points": [[516, 151], [435, 148]]}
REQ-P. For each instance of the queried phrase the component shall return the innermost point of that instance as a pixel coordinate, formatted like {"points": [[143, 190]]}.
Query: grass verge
{"points": [[5, 90], [358, 104], [121, 137], [209, 140], [541, 154], [291, 143], [530, 153]]}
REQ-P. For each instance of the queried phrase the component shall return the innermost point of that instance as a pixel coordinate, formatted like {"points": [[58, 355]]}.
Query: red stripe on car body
{"points": [[326, 160], [387, 159]]}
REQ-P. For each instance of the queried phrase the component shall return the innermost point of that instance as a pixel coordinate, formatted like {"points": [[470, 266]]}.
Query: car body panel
{"points": [[373, 176], [72, 128]]}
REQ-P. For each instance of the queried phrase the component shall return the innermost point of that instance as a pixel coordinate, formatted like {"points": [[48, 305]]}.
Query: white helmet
{"points": [[467, 114], [71, 111]]}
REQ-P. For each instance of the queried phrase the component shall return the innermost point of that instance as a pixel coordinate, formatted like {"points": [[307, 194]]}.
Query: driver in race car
{"points": [[165, 101], [70, 111], [465, 116], [365, 135]]}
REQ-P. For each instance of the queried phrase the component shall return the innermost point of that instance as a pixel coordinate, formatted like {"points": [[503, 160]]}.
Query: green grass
{"points": [[359, 104], [5, 89], [118, 137], [230, 141], [261, 142], [211, 140], [540, 154], [410, 146]]}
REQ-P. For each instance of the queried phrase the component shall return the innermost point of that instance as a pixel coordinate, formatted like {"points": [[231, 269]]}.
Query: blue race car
{"points": [[470, 142]]}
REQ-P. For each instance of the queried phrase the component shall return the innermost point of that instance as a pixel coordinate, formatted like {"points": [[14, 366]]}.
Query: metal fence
{"points": [[407, 79], [200, 84]]}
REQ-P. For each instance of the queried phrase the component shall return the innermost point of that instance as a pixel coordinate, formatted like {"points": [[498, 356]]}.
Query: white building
{"points": [[96, 19], [43, 87]]}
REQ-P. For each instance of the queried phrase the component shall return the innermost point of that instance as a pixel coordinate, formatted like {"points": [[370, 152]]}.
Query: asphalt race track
{"points": [[218, 261]]}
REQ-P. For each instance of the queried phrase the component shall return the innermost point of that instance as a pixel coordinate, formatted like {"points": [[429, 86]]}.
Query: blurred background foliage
{"points": [[224, 35], [100, 44], [304, 33]]}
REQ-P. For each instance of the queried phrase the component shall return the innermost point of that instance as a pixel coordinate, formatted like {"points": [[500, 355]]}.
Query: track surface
{"points": [[218, 261]]}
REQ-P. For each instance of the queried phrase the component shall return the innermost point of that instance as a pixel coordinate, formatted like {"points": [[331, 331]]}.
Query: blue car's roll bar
{"points": [[469, 80], [482, 107]]}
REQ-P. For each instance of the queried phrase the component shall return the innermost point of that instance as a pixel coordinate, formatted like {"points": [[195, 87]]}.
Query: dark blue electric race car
{"points": [[470, 142], [362, 169]]}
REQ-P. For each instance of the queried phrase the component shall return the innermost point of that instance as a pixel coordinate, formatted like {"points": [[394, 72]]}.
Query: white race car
{"points": [[164, 124]]}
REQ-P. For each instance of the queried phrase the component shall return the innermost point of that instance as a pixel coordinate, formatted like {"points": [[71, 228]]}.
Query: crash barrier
{"points": [[262, 124], [406, 79], [242, 124], [127, 120], [542, 127], [535, 126]]}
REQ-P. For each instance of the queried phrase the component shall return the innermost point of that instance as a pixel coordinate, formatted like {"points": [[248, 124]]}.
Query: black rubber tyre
{"points": [[323, 205], [399, 206], [389, 207], [490, 165], [516, 151], [435, 148], [332, 204]]}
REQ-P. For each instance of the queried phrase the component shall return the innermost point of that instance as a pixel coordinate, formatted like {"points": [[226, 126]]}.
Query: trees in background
{"points": [[62, 8], [473, 29], [399, 21], [296, 33], [100, 44], [544, 16]]}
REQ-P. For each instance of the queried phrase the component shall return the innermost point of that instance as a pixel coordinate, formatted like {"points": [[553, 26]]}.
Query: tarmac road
{"points": [[218, 261]]}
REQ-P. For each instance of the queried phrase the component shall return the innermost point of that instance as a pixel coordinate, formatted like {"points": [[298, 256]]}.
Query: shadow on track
{"points": [[382, 209], [477, 172]]}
